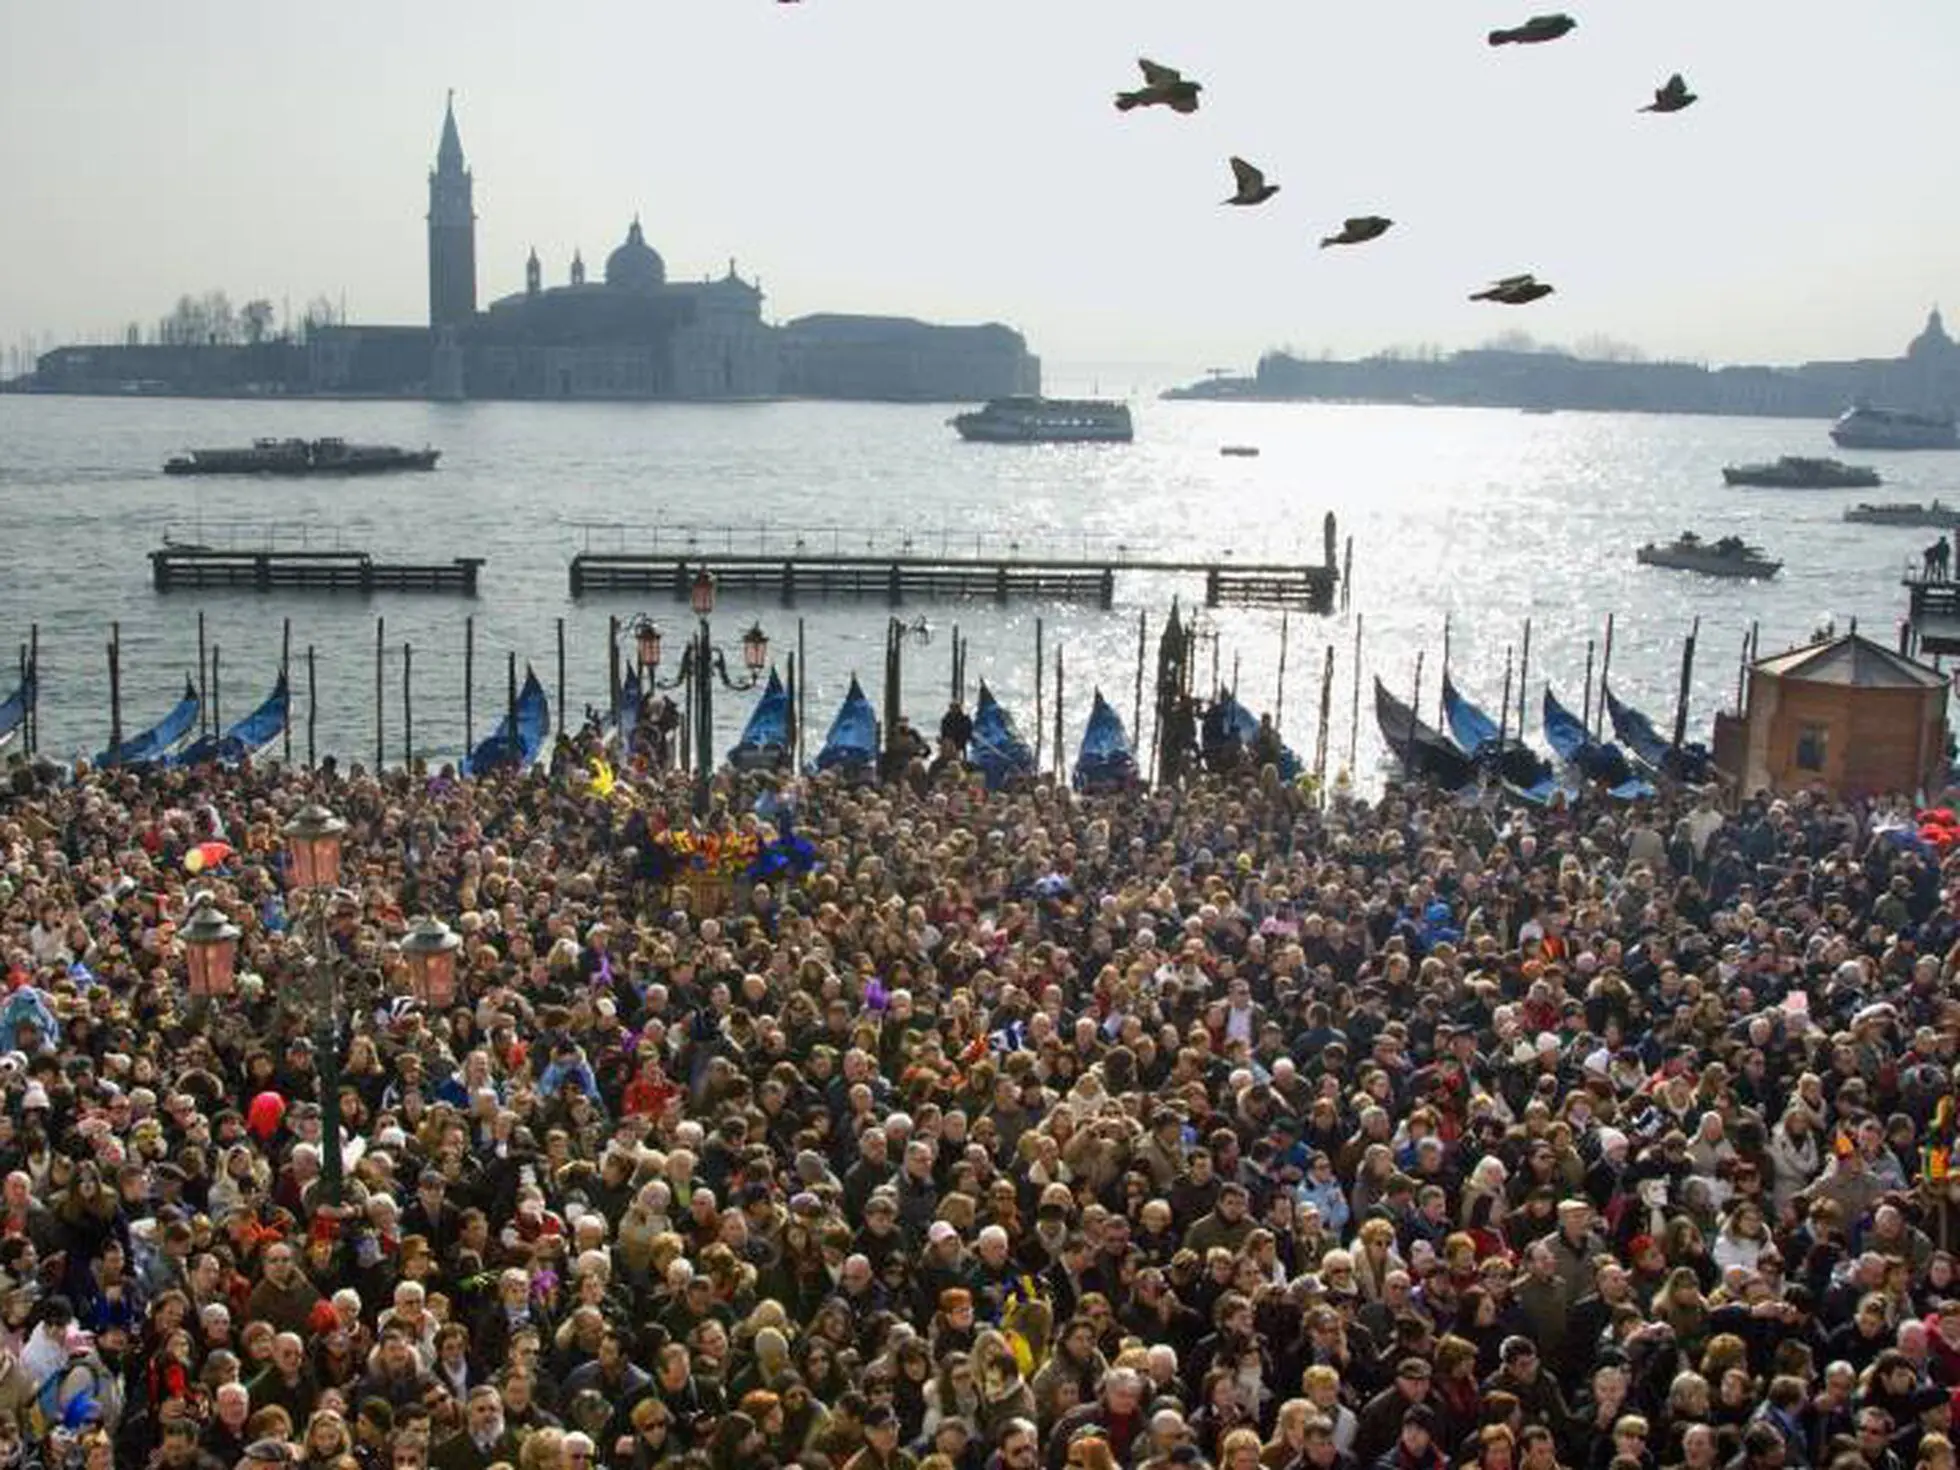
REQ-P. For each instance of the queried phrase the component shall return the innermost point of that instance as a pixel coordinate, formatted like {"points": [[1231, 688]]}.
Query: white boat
{"points": [[1890, 428], [1731, 556], [1027, 420], [1938, 516]]}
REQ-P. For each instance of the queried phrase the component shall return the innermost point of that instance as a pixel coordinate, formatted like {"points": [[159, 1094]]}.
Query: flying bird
{"points": [[1359, 231], [1514, 290], [1252, 185], [1163, 86], [1538, 28], [1672, 98]]}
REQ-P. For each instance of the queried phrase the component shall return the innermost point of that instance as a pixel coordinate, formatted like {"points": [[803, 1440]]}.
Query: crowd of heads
{"points": [[1221, 1126]]}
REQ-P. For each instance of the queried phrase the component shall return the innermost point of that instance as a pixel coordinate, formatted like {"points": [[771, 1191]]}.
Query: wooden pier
{"points": [[175, 568], [792, 568], [1932, 624]]}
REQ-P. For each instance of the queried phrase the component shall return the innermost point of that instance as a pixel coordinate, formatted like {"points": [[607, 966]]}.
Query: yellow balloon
{"points": [[194, 861]]}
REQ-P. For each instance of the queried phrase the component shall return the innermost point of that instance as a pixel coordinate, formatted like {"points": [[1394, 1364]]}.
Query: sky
{"points": [[960, 160]]}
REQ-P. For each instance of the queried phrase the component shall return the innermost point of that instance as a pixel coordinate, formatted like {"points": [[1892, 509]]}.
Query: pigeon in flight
{"points": [[1514, 290], [1672, 98], [1252, 185], [1359, 231], [1163, 86], [1538, 28]]}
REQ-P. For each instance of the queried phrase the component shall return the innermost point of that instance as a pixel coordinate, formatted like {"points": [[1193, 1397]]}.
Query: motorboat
{"points": [[1938, 516], [1730, 556], [302, 457], [1803, 472], [1029, 420]]}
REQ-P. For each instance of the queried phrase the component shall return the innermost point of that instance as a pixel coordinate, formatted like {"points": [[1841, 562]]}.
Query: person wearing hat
{"points": [[1381, 1417], [1415, 1446], [882, 1450]]}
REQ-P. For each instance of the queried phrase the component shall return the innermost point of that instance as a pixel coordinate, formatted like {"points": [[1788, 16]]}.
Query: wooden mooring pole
{"points": [[1605, 668], [1040, 725], [1585, 715], [115, 685], [612, 675], [1143, 634], [1354, 715], [203, 687], [564, 715], [217, 706], [1326, 710], [1524, 678], [1687, 678], [380, 693], [1059, 761], [312, 706], [408, 705], [286, 677], [469, 685], [34, 694]]}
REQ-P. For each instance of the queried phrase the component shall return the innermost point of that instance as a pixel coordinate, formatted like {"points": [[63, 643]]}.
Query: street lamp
{"points": [[211, 949], [313, 843], [646, 644], [429, 950], [701, 660]]}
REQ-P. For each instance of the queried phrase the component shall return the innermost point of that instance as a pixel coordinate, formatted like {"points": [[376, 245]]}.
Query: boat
{"points": [[1938, 516], [14, 708], [1689, 764], [1891, 428], [1803, 472], [1538, 409], [519, 737], [1477, 735], [1029, 420], [765, 742], [249, 736], [1105, 764], [1731, 556], [159, 740], [1239, 451], [302, 457], [997, 747], [1596, 761], [851, 747], [1426, 753], [1242, 725]]}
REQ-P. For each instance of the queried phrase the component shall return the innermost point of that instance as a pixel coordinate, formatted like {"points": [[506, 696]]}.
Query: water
{"points": [[1484, 516]]}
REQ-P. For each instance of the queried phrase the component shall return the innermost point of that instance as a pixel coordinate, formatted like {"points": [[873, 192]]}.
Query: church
{"points": [[636, 333]]}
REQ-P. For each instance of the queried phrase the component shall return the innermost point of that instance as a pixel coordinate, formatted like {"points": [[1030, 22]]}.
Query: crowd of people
{"points": [[1219, 1126]]}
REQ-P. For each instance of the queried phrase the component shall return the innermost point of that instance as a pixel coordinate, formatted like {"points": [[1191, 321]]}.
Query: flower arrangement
{"points": [[718, 854]]}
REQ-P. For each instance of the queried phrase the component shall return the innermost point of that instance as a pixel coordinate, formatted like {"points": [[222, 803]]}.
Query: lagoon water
{"points": [[1486, 517]]}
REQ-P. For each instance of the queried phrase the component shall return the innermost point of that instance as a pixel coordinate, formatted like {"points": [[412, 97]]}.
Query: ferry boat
{"points": [[1890, 428], [1803, 472], [1028, 420], [1935, 517], [1729, 557], [1239, 451], [302, 457]]}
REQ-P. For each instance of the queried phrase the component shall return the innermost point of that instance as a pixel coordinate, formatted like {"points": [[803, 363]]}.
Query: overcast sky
{"points": [[960, 160]]}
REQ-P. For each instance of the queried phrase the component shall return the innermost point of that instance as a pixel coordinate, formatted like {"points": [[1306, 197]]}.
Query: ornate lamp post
{"points": [[429, 951], [697, 663], [211, 950], [313, 843]]}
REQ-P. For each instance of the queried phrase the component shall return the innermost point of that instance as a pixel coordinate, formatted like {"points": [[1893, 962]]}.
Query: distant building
{"points": [[831, 356], [633, 334], [1926, 378]]}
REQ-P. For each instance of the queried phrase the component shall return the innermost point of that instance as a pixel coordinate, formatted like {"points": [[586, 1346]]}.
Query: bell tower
{"points": [[452, 231]]}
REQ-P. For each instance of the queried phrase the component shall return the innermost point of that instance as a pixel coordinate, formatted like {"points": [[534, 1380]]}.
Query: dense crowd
{"points": [[1211, 1127]]}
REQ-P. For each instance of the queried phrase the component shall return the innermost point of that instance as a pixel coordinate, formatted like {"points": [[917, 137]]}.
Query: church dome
{"points": [[635, 265]]}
